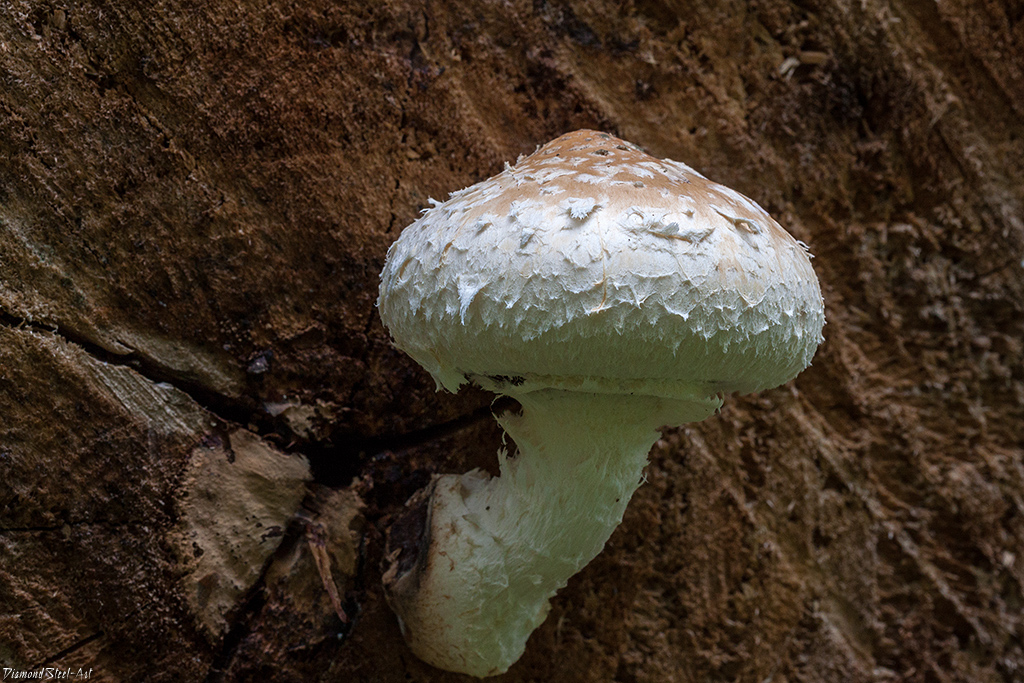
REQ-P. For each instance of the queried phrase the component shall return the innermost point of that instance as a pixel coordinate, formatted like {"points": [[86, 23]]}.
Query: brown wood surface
{"points": [[200, 410]]}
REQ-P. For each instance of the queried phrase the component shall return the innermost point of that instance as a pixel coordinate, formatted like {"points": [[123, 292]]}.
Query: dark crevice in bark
{"points": [[337, 465], [225, 408], [250, 606], [359, 580], [67, 651], [334, 462]]}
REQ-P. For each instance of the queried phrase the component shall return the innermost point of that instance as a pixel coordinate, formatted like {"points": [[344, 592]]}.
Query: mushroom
{"points": [[609, 293]]}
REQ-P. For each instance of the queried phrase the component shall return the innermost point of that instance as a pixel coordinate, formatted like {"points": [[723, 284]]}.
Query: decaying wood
{"points": [[195, 202]]}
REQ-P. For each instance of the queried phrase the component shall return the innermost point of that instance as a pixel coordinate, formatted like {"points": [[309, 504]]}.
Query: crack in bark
{"points": [[218, 405], [250, 606], [339, 465], [327, 457], [69, 650], [375, 445]]}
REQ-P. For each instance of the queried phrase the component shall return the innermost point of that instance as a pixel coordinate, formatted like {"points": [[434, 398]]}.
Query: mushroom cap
{"points": [[593, 266]]}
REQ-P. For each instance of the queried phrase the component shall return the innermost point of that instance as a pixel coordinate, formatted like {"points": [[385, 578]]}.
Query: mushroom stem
{"points": [[497, 549]]}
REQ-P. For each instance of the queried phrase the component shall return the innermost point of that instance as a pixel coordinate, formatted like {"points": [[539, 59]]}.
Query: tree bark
{"points": [[204, 430]]}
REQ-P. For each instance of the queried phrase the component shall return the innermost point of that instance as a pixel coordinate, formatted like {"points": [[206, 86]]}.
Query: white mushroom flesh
{"points": [[610, 293]]}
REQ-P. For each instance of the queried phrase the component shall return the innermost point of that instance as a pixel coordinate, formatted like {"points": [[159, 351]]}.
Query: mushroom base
{"points": [[497, 549]]}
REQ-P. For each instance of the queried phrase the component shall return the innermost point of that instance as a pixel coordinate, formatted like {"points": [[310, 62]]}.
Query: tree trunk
{"points": [[204, 430]]}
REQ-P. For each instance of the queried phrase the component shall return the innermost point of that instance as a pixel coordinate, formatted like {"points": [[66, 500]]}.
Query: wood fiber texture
{"points": [[195, 203]]}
